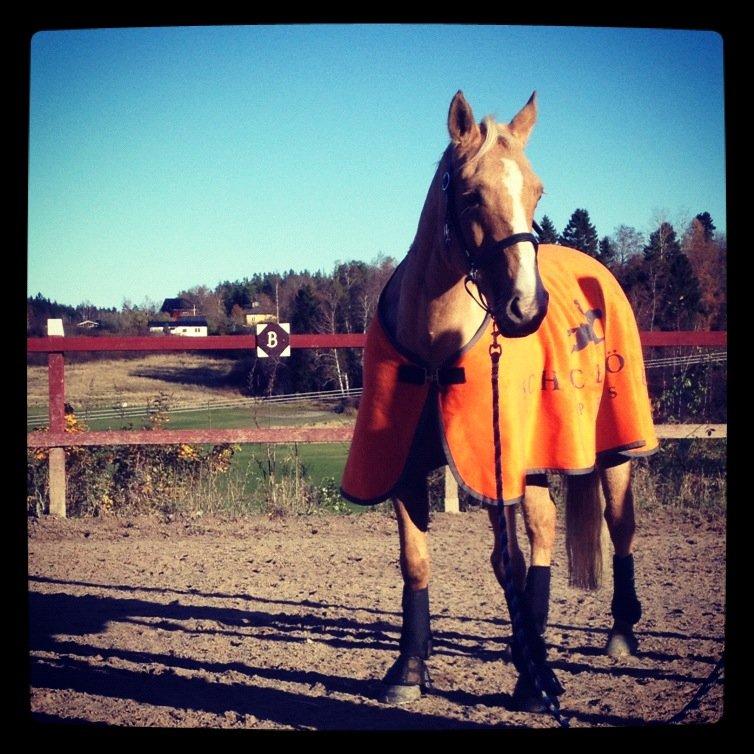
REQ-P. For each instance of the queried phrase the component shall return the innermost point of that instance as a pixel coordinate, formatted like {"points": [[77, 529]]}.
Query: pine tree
{"points": [[302, 362], [580, 233], [549, 233], [707, 255], [673, 287], [607, 252], [709, 227]]}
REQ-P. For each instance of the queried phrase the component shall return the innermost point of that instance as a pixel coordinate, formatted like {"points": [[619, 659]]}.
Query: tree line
{"points": [[673, 281]]}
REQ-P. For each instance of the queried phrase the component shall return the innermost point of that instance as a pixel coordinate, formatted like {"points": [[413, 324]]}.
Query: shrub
{"points": [[130, 478], [286, 488]]}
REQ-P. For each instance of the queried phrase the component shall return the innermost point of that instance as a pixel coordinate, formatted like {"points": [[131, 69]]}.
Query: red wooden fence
{"points": [[340, 340], [56, 439]]}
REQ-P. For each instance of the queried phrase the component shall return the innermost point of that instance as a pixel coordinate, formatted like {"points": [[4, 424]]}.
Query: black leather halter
{"points": [[481, 258]]}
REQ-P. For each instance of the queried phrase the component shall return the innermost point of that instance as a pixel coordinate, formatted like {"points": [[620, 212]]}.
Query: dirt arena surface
{"points": [[290, 623]]}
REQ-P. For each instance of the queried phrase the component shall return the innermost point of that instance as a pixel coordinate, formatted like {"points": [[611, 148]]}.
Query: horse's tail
{"points": [[584, 530]]}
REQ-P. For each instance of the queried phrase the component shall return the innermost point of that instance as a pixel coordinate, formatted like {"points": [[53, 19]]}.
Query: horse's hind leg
{"points": [[619, 515], [408, 676]]}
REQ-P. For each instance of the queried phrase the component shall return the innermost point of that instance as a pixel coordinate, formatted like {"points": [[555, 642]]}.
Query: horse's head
{"points": [[491, 192]]}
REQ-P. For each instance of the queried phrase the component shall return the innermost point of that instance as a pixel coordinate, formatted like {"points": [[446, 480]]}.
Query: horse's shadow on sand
{"points": [[157, 681]]}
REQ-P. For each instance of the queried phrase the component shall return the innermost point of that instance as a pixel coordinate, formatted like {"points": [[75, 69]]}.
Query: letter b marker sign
{"points": [[273, 339]]}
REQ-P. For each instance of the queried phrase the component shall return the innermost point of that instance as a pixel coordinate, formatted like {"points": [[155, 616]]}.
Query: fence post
{"points": [[451, 492], [57, 480]]}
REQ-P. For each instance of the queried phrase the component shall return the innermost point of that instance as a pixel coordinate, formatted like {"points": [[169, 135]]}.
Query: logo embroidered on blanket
{"points": [[569, 392], [585, 332]]}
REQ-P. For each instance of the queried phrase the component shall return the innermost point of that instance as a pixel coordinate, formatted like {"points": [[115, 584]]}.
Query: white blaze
{"points": [[513, 183]]}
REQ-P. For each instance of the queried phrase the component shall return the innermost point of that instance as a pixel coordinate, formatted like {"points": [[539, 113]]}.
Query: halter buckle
{"points": [[445, 181]]}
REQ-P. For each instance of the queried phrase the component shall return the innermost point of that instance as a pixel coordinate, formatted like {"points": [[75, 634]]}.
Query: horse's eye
{"points": [[473, 198]]}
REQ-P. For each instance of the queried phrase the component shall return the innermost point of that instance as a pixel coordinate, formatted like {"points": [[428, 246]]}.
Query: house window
{"points": [[196, 329]]}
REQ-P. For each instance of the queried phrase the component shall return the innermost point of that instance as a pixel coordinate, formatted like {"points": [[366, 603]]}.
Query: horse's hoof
{"points": [[621, 642], [405, 682], [399, 694], [525, 697]]}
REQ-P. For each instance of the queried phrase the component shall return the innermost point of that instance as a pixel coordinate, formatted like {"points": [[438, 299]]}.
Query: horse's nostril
{"points": [[515, 309]]}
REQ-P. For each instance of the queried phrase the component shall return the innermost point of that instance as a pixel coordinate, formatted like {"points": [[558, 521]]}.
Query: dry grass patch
{"points": [[184, 376]]}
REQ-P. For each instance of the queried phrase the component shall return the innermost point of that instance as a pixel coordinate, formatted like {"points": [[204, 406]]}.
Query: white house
{"points": [[192, 327]]}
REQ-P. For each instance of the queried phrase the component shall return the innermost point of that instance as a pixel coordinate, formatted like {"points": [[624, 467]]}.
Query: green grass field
{"points": [[321, 464], [224, 418], [320, 461]]}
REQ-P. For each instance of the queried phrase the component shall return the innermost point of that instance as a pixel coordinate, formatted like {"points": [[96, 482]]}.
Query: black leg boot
{"points": [[538, 596], [536, 601], [625, 607], [409, 677]]}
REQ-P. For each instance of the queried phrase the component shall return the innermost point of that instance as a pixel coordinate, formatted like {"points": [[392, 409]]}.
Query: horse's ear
{"points": [[524, 120], [461, 123]]}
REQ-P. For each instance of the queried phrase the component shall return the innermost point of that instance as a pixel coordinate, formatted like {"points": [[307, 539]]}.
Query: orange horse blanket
{"points": [[571, 391]]}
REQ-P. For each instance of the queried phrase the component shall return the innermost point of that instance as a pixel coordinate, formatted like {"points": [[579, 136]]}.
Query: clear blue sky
{"points": [[164, 158]]}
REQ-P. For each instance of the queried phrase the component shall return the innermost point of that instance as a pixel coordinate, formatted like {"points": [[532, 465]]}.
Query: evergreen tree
{"points": [[549, 233], [707, 255], [607, 252], [580, 233], [709, 227], [302, 362], [674, 291], [39, 309]]}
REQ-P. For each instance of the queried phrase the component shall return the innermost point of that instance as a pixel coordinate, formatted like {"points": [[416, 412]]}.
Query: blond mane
{"points": [[492, 131]]}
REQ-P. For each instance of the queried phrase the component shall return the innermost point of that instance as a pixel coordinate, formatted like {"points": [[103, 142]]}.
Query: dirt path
{"points": [[290, 624]]}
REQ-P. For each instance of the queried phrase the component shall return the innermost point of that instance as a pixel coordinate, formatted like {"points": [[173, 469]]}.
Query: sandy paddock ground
{"points": [[290, 623]]}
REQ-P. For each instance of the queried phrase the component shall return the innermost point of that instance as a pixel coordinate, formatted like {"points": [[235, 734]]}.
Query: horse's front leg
{"points": [[408, 677], [621, 523], [518, 563], [533, 587], [539, 519]]}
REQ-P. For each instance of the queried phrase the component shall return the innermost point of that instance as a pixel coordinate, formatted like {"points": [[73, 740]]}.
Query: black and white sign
{"points": [[273, 339]]}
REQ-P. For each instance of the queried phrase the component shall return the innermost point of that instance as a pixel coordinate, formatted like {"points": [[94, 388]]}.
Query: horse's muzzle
{"points": [[517, 319]]}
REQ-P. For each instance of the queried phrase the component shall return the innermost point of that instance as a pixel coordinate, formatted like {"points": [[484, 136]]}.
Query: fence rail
{"points": [[57, 439], [133, 410], [51, 344], [252, 403], [282, 435]]}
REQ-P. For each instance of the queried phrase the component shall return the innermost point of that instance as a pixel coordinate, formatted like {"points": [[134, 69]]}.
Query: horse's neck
{"points": [[426, 306], [432, 314]]}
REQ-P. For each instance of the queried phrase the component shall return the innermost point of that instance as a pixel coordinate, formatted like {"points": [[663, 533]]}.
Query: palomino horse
{"points": [[506, 360]]}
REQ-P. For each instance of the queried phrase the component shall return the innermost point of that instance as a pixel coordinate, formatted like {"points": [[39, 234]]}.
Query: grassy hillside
{"points": [[185, 376]]}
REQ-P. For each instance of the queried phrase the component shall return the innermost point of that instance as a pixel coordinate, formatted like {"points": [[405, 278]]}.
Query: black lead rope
{"points": [[702, 691], [528, 643], [526, 640]]}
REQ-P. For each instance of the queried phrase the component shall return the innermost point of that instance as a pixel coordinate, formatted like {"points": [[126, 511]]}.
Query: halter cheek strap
{"points": [[483, 257]]}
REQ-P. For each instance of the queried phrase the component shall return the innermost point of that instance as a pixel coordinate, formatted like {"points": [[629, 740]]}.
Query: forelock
{"points": [[494, 133]]}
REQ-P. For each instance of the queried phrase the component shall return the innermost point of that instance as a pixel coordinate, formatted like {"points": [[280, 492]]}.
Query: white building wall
{"points": [[188, 331]]}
